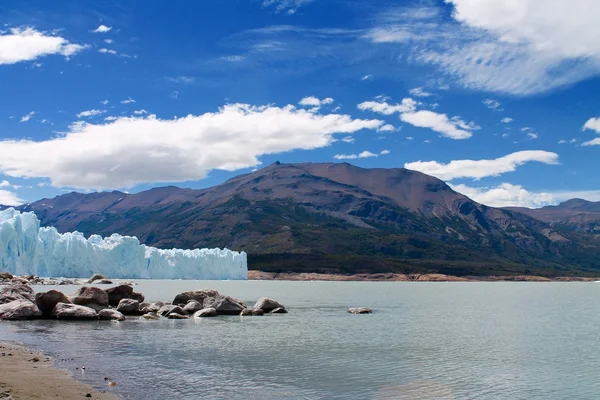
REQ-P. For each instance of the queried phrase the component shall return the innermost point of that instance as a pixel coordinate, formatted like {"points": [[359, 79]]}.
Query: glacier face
{"points": [[28, 249]]}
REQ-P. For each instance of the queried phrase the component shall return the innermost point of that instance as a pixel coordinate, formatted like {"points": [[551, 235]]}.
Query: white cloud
{"points": [[140, 112], [384, 152], [111, 118], [478, 169], [493, 104], [506, 120], [108, 41], [102, 29], [315, 102], [181, 79], [419, 92], [348, 139], [90, 113], [27, 116], [7, 184], [290, 7], [128, 101], [366, 77], [133, 150], [233, 58], [409, 138], [532, 135], [27, 44], [384, 108], [364, 154], [104, 102], [387, 128], [453, 128], [107, 51], [593, 124], [562, 141], [9, 198], [506, 195]]}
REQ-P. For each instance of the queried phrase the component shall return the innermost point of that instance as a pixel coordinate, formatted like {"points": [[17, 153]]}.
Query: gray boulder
{"points": [[192, 306], [246, 312], [16, 291], [91, 297], [102, 282], [48, 300], [118, 293], [206, 312], [225, 305], [95, 277], [360, 310], [198, 295], [267, 305], [74, 312], [19, 309], [110, 314], [279, 310], [169, 309], [129, 307], [150, 307]]}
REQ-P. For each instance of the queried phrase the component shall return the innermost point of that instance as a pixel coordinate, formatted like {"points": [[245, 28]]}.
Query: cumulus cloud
{"points": [[478, 169], [366, 77], [107, 51], [133, 150], [9, 198], [90, 113], [506, 120], [419, 92], [27, 116], [27, 44], [506, 195], [384, 152], [594, 125], [364, 154], [315, 102], [387, 128], [382, 107], [102, 29]]}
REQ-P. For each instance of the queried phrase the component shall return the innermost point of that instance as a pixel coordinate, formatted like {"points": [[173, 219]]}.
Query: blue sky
{"points": [[498, 98]]}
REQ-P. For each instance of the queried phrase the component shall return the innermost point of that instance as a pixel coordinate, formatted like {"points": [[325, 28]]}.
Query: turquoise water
{"points": [[425, 340]]}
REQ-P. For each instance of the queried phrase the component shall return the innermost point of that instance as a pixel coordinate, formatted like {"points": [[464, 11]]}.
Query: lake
{"points": [[492, 340]]}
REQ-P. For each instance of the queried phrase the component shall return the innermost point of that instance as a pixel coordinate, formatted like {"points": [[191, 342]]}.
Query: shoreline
{"points": [[389, 277], [26, 373]]}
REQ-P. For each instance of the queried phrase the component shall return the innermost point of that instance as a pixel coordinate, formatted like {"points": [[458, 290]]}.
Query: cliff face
{"points": [[331, 218]]}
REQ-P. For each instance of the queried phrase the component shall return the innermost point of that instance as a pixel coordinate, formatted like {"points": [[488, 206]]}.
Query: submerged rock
{"points": [[129, 307], [74, 312], [251, 312], [279, 310], [19, 309], [48, 300], [102, 282], [206, 312], [267, 305], [176, 316], [91, 297], [150, 316], [360, 310], [109, 314]]}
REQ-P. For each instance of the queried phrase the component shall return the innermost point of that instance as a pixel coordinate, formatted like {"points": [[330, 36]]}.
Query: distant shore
{"points": [[296, 276], [29, 374]]}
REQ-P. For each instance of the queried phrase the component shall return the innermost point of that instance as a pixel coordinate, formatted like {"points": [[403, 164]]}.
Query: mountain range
{"points": [[339, 218]]}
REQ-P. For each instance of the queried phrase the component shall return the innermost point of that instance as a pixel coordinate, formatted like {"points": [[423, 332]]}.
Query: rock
{"points": [[176, 316], [267, 305], [19, 280], [19, 309], [73, 311], [150, 316], [279, 310], [118, 293], [102, 282], [206, 312], [150, 307], [47, 301], [95, 277], [109, 314], [225, 305], [129, 307], [91, 297], [258, 312], [16, 291], [168, 309], [6, 396], [360, 310], [198, 295], [5, 276], [192, 306], [246, 312]]}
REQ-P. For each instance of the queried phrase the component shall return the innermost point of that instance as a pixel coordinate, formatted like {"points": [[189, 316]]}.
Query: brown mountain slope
{"points": [[575, 215]]}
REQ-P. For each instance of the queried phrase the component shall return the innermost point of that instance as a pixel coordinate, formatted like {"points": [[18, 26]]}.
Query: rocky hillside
{"points": [[332, 218], [575, 215]]}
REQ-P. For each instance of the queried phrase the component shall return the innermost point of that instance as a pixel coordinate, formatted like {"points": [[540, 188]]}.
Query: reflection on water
{"points": [[424, 341]]}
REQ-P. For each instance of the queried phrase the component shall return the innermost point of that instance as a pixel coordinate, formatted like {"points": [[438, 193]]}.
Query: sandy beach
{"points": [[27, 374]]}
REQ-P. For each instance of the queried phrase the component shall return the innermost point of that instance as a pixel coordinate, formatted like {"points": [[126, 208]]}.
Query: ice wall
{"points": [[27, 249]]}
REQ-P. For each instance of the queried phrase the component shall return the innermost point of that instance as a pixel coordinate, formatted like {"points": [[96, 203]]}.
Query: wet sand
{"points": [[27, 374]]}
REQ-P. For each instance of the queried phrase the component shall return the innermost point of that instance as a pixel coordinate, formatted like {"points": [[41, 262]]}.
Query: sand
{"points": [[27, 374]]}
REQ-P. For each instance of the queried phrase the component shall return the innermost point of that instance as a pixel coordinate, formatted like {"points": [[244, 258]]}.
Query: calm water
{"points": [[424, 341]]}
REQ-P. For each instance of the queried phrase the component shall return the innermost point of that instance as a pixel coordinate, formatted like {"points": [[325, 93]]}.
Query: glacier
{"points": [[26, 248]]}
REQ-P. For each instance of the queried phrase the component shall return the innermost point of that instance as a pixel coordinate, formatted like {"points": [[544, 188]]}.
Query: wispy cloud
{"points": [[419, 92], [289, 7], [186, 80], [129, 100], [27, 116], [90, 113], [493, 104], [102, 29], [364, 154], [107, 51]]}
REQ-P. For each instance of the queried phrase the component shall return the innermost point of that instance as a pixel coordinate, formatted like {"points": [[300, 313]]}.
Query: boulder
{"points": [[198, 295], [279, 310], [19, 309], [129, 307], [150, 316], [258, 312], [19, 280], [95, 277], [360, 310], [118, 293], [168, 309], [110, 314], [102, 282], [150, 307], [192, 306], [47, 301], [5, 276], [267, 305], [73, 311], [225, 305], [16, 291], [91, 297], [176, 316], [246, 312], [206, 312]]}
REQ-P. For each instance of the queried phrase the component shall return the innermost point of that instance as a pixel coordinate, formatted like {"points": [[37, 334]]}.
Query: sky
{"points": [[498, 98]]}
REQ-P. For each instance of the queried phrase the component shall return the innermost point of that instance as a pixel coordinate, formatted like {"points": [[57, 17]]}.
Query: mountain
{"points": [[332, 218], [575, 215]]}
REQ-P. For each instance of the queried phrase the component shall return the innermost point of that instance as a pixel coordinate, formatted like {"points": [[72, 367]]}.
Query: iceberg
{"points": [[28, 249]]}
